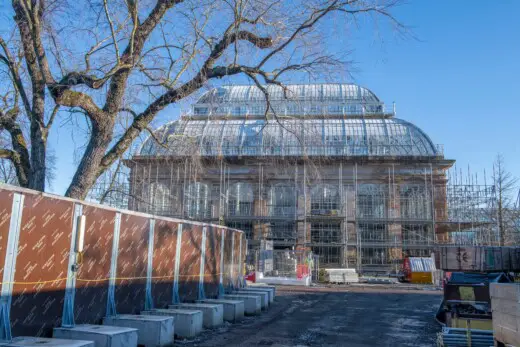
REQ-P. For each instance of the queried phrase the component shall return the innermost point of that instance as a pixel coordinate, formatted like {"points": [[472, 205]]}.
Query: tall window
{"points": [[326, 232], [414, 234], [371, 202], [375, 256], [282, 200], [325, 200], [240, 199], [374, 233], [197, 201], [282, 231], [415, 202], [159, 199]]}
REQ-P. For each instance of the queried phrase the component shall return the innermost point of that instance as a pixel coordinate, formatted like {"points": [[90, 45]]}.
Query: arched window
{"points": [[197, 202], [240, 199], [415, 202], [325, 199], [282, 200], [159, 199], [371, 201]]}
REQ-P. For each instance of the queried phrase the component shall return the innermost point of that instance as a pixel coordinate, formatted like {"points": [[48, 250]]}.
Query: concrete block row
{"points": [[158, 327]]}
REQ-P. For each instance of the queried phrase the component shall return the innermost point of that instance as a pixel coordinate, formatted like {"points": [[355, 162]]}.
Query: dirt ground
{"points": [[336, 316]]}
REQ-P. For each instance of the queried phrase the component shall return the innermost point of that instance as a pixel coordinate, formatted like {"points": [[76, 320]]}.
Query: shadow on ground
{"points": [[340, 316]]}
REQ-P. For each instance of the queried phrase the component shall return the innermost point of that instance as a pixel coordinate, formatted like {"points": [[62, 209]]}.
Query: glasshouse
{"points": [[326, 168]]}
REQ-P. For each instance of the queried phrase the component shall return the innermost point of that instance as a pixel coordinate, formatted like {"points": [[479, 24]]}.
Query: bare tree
{"points": [[505, 188], [115, 60]]}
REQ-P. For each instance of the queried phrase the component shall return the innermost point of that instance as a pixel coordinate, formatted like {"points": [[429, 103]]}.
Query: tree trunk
{"points": [[38, 158], [90, 168]]}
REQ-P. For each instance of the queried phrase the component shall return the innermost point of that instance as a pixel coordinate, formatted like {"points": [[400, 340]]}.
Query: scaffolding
{"points": [[367, 216], [360, 190]]}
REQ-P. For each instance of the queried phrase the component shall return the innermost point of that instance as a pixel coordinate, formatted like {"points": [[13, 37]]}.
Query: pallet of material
{"points": [[505, 306], [342, 275], [479, 258]]}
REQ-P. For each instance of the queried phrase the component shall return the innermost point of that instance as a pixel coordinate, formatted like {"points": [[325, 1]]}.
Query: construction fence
{"points": [[69, 262]]}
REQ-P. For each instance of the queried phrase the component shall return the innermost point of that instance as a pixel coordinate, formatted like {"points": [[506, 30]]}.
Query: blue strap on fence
{"points": [[111, 303], [70, 291], [111, 296], [176, 299], [148, 302], [5, 325], [68, 309], [221, 290], [202, 295]]}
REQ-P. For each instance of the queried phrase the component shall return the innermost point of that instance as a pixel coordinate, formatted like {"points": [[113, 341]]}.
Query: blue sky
{"points": [[458, 81]]}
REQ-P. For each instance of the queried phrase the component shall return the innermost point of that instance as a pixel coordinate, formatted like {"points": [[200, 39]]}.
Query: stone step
{"points": [[212, 314], [153, 331], [264, 297], [188, 323], [252, 303], [102, 335], [233, 309], [26, 341]]}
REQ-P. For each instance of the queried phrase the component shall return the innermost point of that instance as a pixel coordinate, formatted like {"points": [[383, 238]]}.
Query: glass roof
{"points": [[302, 92], [290, 137]]}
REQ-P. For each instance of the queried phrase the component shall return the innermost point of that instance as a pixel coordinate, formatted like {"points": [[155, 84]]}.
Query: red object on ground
{"points": [[251, 277], [301, 271], [407, 269]]}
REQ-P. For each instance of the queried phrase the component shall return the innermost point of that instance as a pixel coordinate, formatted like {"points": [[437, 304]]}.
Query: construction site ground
{"points": [[348, 315]]}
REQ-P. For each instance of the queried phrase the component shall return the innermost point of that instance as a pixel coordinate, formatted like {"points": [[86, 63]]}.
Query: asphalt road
{"points": [[339, 316]]}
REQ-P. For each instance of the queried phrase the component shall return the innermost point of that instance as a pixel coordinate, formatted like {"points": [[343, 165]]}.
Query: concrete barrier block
{"points": [[262, 285], [252, 303], [102, 335], [269, 291], [188, 323], [264, 297], [153, 331], [233, 309], [25, 341], [212, 314]]}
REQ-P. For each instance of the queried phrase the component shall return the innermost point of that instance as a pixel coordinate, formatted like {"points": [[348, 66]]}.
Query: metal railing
{"points": [[327, 150], [294, 108]]}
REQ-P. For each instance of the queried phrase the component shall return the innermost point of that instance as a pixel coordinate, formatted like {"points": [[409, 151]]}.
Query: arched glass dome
{"points": [[376, 137], [300, 100], [313, 120], [302, 92]]}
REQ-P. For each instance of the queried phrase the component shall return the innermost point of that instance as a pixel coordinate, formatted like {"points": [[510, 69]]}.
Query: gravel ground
{"points": [[372, 315]]}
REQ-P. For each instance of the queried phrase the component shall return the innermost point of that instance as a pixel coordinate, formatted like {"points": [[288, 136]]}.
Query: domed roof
{"points": [[301, 92], [377, 137]]}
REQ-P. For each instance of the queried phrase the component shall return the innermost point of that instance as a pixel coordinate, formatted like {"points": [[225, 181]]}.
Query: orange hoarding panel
{"points": [[113, 267]]}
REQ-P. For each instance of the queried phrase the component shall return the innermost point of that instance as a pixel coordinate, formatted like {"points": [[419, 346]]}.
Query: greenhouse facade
{"points": [[321, 167]]}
